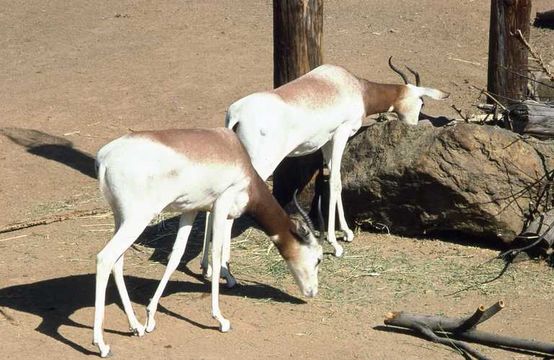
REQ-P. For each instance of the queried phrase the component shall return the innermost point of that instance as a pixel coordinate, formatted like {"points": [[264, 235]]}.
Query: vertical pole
{"points": [[507, 56], [297, 34]]}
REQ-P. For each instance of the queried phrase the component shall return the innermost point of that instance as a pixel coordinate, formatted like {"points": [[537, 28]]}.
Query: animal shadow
{"points": [[55, 300]]}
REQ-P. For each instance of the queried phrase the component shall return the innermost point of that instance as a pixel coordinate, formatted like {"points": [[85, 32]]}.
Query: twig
{"points": [[510, 255], [528, 77], [52, 219], [504, 269], [534, 54], [465, 61], [14, 237], [459, 111]]}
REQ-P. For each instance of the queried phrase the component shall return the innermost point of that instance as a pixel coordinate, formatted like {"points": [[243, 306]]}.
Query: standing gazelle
{"points": [[143, 173], [320, 109]]}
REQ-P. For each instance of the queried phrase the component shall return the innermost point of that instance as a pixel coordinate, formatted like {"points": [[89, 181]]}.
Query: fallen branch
{"points": [[431, 326], [52, 219]]}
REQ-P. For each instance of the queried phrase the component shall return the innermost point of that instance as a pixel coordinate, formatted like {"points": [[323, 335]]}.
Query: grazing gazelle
{"points": [[143, 173], [320, 109]]}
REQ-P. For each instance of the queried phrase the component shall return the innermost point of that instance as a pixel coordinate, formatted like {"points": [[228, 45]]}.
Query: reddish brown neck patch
{"points": [[272, 218], [380, 97]]}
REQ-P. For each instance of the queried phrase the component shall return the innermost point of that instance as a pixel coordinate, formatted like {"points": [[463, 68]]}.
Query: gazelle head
{"points": [[411, 102], [307, 253]]}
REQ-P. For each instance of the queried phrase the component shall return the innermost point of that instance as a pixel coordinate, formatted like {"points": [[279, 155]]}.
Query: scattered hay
{"points": [[375, 267]]}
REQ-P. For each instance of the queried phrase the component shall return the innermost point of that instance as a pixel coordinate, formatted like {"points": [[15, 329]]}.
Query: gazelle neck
{"points": [[270, 215], [379, 97]]}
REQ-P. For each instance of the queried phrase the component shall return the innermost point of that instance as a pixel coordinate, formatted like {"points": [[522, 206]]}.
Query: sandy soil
{"points": [[75, 75]]}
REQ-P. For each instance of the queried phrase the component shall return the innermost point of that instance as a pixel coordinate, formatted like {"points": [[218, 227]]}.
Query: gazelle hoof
{"points": [[138, 331], [224, 325], [150, 325], [207, 272], [106, 352], [231, 282], [348, 235], [339, 251]]}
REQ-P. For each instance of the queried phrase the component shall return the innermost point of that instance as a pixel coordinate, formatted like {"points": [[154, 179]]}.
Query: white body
{"points": [[272, 127], [323, 114], [142, 174], [321, 109]]}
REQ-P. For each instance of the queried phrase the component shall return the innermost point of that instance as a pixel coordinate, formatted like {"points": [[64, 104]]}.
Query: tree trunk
{"points": [[297, 34], [507, 56]]}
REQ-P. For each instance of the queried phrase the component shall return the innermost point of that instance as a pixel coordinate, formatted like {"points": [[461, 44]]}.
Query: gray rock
{"points": [[473, 179]]}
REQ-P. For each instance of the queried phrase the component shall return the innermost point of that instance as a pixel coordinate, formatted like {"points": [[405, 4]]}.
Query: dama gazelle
{"points": [[143, 173], [320, 109]]}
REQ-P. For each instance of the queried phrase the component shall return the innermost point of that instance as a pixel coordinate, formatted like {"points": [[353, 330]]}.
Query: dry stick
{"points": [[527, 77], [455, 327], [52, 219], [480, 315], [459, 111], [536, 56], [490, 96], [456, 344]]}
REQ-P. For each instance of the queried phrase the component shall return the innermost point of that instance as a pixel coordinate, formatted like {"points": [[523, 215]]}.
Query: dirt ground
{"points": [[75, 75]]}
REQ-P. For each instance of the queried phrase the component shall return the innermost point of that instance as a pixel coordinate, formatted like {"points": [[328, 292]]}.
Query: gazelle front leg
{"points": [[185, 226]]}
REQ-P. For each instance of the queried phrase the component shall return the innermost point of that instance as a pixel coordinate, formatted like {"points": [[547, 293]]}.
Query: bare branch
{"points": [[52, 219], [537, 57]]}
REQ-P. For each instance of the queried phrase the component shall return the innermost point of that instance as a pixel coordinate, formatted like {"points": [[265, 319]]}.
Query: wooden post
{"points": [[507, 56], [297, 33]]}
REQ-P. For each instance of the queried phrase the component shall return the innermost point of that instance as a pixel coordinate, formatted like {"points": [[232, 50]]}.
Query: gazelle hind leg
{"points": [[124, 237], [226, 256], [205, 264], [185, 227], [221, 233], [134, 325]]}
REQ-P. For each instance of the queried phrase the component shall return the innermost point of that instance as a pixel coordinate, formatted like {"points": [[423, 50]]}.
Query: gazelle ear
{"points": [[300, 229]]}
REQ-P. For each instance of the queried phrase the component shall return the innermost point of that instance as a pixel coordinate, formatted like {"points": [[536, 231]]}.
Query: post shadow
{"points": [[52, 148]]}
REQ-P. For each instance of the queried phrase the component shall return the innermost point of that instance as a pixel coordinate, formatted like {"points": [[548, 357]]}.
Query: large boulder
{"points": [[472, 179]]}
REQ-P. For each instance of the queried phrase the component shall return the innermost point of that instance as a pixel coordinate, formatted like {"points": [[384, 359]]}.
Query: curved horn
{"points": [[416, 74], [302, 212], [321, 221], [397, 70]]}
